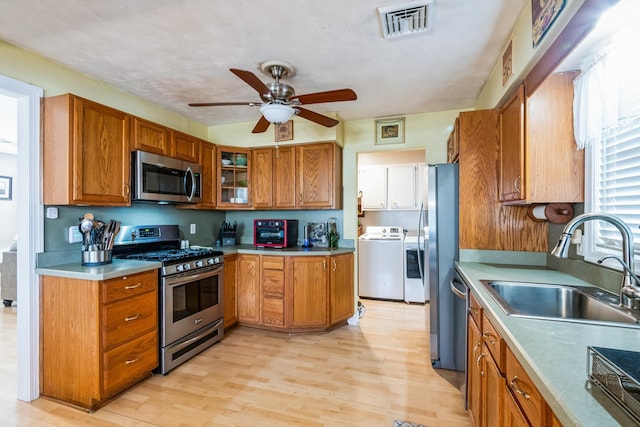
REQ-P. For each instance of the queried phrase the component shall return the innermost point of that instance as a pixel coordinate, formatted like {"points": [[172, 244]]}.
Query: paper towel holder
{"points": [[556, 213]]}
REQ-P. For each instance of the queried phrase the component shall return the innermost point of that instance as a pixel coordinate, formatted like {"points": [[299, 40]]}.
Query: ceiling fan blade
{"points": [[252, 80], [261, 126], [316, 117], [222, 104], [328, 96]]}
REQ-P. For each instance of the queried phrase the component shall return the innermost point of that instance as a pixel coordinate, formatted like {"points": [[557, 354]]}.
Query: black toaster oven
{"points": [[275, 233]]}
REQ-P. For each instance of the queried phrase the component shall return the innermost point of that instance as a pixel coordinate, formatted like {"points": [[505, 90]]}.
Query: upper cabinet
{"points": [[150, 137], [299, 176], [319, 175], [185, 147], [536, 136], [86, 153], [234, 177], [390, 186]]}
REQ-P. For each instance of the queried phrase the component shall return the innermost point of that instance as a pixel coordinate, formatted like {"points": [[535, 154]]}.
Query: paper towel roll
{"points": [[557, 213]]}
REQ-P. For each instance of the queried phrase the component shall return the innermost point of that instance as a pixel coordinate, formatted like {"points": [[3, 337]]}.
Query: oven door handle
{"points": [[173, 280]]}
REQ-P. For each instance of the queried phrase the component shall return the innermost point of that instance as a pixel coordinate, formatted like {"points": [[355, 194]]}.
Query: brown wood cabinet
{"points": [[500, 393], [307, 292], [341, 288], [185, 147], [230, 290], [485, 223], [301, 176], [208, 161], [319, 175], [150, 137], [98, 337], [539, 162], [85, 153], [292, 293], [234, 177], [248, 288], [273, 282]]}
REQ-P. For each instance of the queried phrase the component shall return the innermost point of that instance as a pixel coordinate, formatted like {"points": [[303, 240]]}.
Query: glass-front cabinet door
{"points": [[234, 177]]}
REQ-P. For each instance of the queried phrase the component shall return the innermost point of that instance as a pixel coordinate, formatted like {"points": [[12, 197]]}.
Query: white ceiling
{"points": [[173, 52]]}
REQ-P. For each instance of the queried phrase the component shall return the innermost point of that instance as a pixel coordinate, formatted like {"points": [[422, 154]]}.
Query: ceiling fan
{"points": [[279, 100]]}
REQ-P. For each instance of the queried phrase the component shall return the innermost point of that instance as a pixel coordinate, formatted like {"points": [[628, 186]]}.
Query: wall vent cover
{"points": [[406, 18]]}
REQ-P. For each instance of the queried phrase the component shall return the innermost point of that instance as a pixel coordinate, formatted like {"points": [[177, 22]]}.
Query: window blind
{"points": [[616, 189]]}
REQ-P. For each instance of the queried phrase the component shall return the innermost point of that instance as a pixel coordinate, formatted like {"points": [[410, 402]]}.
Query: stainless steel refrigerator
{"points": [[447, 312]]}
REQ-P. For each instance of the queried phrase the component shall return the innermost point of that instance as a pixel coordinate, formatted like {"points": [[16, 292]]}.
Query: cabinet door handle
{"points": [[132, 318], [475, 347], [136, 286], [130, 361], [324, 264], [335, 265], [127, 190], [516, 184], [473, 310], [513, 383], [488, 336], [478, 360]]}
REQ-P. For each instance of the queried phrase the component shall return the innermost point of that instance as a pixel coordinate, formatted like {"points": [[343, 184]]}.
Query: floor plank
{"points": [[365, 375]]}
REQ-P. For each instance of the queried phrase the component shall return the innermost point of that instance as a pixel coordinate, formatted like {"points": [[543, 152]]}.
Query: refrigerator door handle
{"points": [[462, 294]]}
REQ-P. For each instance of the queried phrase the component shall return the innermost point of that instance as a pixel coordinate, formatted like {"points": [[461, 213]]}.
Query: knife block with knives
{"points": [[227, 235]]}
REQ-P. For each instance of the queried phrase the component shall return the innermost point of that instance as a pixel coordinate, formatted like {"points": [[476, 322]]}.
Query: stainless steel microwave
{"points": [[162, 179]]}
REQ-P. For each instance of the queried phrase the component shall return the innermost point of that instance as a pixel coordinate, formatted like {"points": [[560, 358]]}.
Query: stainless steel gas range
{"points": [[190, 289]]}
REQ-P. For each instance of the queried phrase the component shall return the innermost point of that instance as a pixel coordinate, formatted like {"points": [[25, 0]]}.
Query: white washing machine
{"points": [[381, 263], [416, 281]]}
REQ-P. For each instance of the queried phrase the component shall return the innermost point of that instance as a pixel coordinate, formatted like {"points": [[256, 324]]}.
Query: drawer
{"points": [[272, 284], [128, 286], [525, 393], [273, 262], [475, 309], [494, 342], [129, 363], [126, 319], [273, 311]]}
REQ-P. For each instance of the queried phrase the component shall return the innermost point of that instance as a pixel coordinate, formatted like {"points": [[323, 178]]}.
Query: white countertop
{"points": [[118, 268], [554, 353]]}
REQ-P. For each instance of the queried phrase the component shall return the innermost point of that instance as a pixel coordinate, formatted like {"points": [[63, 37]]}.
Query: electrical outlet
{"points": [[74, 235], [193, 229]]}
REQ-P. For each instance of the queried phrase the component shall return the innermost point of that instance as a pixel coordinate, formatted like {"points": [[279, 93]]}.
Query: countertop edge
{"points": [[553, 353], [295, 251], [117, 268]]}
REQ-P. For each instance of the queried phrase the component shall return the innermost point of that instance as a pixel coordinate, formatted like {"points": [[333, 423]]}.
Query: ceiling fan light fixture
{"points": [[277, 113]]}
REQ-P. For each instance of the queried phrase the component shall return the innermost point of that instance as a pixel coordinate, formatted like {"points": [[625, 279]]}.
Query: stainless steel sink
{"points": [[561, 302]]}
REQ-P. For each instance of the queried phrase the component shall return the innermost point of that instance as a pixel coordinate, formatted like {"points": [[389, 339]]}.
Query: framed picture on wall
{"points": [[5, 187], [543, 14], [390, 131], [284, 131]]}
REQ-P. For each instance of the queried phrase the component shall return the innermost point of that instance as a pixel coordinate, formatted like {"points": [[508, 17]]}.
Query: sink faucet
{"points": [[629, 291]]}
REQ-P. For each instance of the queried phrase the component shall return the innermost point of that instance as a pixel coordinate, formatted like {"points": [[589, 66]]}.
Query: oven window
{"points": [[194, 297]]}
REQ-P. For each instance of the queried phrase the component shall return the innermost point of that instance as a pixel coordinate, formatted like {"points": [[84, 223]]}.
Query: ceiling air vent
{"points": [[406, 18]]}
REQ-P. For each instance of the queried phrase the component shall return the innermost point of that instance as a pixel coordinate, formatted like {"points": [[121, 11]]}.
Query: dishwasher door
{"points": [[461, 308]]}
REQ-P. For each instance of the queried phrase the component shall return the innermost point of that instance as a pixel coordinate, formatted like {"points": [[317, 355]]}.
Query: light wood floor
{"points": [[365, 375]]}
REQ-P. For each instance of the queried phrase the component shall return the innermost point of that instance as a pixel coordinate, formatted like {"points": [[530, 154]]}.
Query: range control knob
{"points": [[187, 266], [179, 268], [199, 263], [210, 261]]}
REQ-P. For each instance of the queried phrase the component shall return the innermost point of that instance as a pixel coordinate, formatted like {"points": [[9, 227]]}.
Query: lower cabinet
{"points": [[98, 337], [230, 290], [292, 293], [500, 393]]}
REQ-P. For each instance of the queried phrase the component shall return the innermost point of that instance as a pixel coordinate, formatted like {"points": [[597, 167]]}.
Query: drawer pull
{"points": [[488, 336], [130, 361], [517, 389], [473, 310], [136, 286], [475, 347], [132, 318]]}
